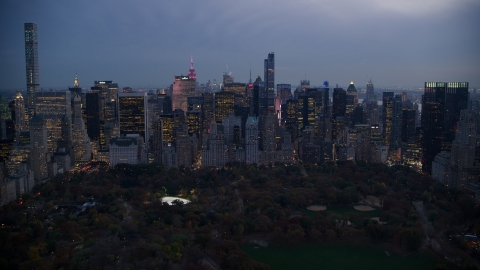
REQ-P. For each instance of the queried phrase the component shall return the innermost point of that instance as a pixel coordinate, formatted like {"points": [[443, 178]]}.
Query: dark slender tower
{"points": [[31, 63], [269, 78]]}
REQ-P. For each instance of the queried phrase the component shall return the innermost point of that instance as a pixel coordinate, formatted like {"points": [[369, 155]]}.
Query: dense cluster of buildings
{"points": [[191, 125]]}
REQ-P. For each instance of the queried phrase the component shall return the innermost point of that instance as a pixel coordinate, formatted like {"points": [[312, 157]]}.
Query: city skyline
{"points": [[147, 45]]}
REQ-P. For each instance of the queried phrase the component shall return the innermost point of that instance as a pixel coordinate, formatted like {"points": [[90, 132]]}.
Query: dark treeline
{"points": [[129, 227]]}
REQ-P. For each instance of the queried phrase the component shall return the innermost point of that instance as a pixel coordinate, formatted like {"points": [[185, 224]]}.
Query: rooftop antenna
{"points": [[226, 64], [250, 81]]}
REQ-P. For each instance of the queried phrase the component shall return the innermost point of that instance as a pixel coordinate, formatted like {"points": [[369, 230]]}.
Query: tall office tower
{"points": [[352, 101], [251, 140], [339, 108], [375, 135], [258, 101], [371, 113], [183, 146], [133, 114], [371, 96], [456, 100], [268, 141], [195, 103], [387, 117], [192, 74], [269, 77], [396, 130], [92, 101], [214, 148], [111, 105], [227, 77], [284, 153], [357, 115], [289, 112], [168, 124], [230, 124], [239, 90], [208, 114], [326, 98], [269, 72], [77, 90], [20, 121], [81, 143], [449, 98], [183, 87], [38, 140], [167, 105], [108, 110], [464, 168], [339, 105], [224, 105], [432, 133], [55, 108], [408, 125], [313, 102], [304, 84], [284, 93], [31, 60], [157, 140], [194, 122], [38, 131]]}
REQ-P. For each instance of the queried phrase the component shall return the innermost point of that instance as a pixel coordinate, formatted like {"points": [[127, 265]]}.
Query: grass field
{"points": [[337, 256]]}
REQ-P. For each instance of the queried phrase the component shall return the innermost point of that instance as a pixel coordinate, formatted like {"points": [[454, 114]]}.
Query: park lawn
{"points": [[337, 256]]}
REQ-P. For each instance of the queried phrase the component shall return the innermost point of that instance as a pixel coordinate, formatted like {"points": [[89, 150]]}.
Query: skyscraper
{"points": [[387, 117], [55, 108], [81, 142], [396, 131], [133, 114], [441, 106], [371, 96], [224, 105], [464, 168], [20, 123], [31, 63], [352, 101], [269, 77], [251, 140], [183, 87]]}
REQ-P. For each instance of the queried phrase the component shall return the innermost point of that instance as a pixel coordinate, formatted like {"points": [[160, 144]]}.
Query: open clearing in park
{"points": [[338, 256]]}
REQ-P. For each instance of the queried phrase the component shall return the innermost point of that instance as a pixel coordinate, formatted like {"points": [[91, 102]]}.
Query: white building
{"points": [[440, 167], [126, 149]]}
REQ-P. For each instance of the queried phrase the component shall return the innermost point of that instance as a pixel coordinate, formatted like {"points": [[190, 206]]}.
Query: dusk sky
{"points": [[146, 43]]}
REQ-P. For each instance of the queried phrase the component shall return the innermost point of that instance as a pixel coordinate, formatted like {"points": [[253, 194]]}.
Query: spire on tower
{"points": [[75, 82], [250, 81], [192, 74]]}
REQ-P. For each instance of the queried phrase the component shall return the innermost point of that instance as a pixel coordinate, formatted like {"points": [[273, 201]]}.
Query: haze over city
{"points": [[145, 44]]}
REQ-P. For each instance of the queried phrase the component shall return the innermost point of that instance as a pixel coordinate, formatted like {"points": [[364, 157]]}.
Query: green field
{"points": [[337, 256]]}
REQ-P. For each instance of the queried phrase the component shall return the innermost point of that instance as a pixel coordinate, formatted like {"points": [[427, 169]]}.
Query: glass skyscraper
{"points": [[31, 63]]}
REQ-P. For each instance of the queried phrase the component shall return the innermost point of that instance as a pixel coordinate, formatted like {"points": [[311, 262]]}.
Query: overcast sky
{"points": [[146, 43]]}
